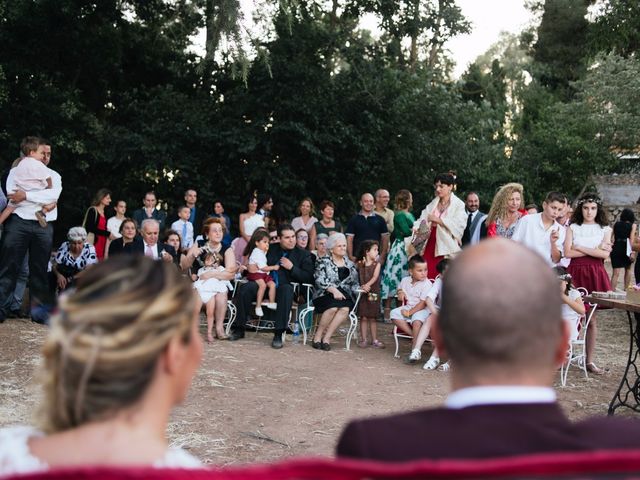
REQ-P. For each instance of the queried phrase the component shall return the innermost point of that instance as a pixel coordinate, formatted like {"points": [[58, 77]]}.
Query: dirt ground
{"points": [[251, 403]]}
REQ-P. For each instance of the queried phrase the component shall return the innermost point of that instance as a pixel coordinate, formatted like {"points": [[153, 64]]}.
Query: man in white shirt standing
{"points": [[505, 343], [540, 231], [23, 234]]}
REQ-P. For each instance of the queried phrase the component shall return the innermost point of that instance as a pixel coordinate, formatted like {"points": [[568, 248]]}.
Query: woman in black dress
{"points": [[623, 230]]}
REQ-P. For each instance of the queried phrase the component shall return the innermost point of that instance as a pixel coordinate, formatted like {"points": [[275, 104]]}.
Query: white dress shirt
{"points": [[498, 395], [154, 249], [37, 199], [531, 232]]}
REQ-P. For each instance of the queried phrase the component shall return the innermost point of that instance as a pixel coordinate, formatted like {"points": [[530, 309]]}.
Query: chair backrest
{"points": [[586, 319], [619, 464]]}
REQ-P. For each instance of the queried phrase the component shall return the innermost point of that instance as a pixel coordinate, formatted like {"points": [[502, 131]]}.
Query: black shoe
{"points": [[317, 345], [15, 314], [326, 346], [236, 335], [276, 342]]}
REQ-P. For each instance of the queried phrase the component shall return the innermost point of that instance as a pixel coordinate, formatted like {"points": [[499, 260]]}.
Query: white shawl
{"points": [[449, 235]]}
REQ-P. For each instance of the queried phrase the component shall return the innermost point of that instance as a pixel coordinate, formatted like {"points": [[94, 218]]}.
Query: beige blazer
{"points": [[449, 235]]}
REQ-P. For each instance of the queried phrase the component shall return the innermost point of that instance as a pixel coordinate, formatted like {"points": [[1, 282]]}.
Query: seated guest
{"points": [[128, 230], [149, 246], [215, 303], [412, 298], [321, 245], [171, 237], [296, 265], [121, 354], [302, 239], [336, 289], [505, 344], [73, 257]]}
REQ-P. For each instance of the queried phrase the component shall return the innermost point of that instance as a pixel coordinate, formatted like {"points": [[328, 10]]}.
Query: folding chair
{"points": [[577, 351], [309, 309]]}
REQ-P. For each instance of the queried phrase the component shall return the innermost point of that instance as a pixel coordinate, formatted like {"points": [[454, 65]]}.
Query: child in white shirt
{"points": [[30, 175], [412, 295], [184, 227], [257, 248]]}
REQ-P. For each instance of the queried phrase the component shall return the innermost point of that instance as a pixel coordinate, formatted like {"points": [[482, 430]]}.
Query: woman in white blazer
{"points": [[444, 219]]}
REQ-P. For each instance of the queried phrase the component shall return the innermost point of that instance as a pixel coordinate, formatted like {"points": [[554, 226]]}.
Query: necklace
{"points": [[443, 207]]}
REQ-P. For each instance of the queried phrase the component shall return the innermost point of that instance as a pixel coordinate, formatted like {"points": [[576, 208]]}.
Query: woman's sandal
{"points": [[592, 368], [377, 344], [222, 337], [209, 338]]}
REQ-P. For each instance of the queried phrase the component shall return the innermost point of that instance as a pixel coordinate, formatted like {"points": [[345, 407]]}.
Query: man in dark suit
{"points": [[149, 210], [501, 326], [197, 214], [149, 246], [476, 228], [296, 265]]}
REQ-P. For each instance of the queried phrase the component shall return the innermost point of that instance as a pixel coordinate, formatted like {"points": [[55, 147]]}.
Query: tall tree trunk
{"points": [[413, 52], [211, 43]]}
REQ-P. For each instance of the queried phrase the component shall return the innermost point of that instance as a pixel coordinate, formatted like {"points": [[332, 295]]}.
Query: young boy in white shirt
{"points": [[184, 227], [540, 231], [412, 294]]}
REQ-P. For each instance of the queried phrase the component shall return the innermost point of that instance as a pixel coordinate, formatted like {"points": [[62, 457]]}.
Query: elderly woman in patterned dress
{"points": [[73, 256]]}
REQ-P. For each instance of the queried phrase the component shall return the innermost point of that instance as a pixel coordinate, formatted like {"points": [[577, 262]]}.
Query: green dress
{"points": [[395, 268]]}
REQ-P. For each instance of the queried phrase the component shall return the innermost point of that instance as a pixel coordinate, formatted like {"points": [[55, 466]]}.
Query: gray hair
{"points": [[75, 234], [148, 221], [333, 239], [321, 236]]}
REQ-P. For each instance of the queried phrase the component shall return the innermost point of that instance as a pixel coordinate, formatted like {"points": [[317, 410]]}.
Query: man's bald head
{"points": [[501, 319]]}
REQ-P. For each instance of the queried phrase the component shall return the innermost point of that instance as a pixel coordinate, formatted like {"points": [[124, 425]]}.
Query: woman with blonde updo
{"points": [[120, 355], [506, 211]]}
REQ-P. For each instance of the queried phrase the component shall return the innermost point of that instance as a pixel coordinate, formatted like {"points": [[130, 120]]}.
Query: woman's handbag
{"points": [[418, 240], [91, 237]]}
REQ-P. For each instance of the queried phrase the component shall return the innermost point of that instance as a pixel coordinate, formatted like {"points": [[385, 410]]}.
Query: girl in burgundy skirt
{"points": [[588, 243]]}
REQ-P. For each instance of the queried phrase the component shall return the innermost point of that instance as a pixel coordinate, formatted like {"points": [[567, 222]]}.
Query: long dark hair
{"points": [[258, 235], [601, 217]]}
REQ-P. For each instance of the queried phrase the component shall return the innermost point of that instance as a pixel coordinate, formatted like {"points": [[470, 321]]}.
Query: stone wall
{"points": [[618, 192]]}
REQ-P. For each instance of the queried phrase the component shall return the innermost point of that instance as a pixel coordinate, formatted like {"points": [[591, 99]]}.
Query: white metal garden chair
{"points": [[577, 351]]}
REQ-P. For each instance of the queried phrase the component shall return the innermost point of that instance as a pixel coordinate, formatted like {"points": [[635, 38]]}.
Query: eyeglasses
{"points": [[303, 237]]}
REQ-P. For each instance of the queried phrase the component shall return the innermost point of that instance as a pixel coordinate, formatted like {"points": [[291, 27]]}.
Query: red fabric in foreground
{"points": [[600, 464]]}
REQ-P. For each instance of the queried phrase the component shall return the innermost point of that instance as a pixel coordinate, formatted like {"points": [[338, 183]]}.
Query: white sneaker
{"points": [[259, 312], [432, 363], [272, 305], [415, 355], [445, 367]]}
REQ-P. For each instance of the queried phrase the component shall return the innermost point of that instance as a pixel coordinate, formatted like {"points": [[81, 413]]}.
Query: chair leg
{"points": [[352, 328], [231, 308], [395, 337], [564, 369]]}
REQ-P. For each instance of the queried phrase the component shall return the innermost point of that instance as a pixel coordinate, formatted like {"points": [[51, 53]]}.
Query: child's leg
{"points": [[374, 329], [423, 334], [6, 213], [403, 326], [261, 288], [272, 292], [416, 325], [364, 329]]}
